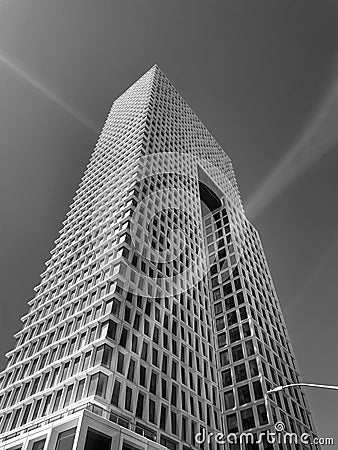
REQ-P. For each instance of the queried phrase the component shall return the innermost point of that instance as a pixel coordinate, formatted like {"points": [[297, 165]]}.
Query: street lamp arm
{"points": [[314, 385]]}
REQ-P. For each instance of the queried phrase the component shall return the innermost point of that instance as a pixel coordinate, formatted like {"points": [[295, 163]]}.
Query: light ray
{"points": [[319, 137], [19, 70]]}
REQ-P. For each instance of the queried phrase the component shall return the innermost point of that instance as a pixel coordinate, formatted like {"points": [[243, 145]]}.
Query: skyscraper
{"points": [[156, 318]]}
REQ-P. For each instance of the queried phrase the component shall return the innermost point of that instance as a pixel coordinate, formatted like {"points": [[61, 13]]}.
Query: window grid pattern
{"points": [[155, 311], [254, 353]]}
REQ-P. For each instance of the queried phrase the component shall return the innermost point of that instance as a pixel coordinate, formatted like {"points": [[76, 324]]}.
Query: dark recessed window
{"points": [[120, 362], [96, 440], [168, 443], [232, 423], [240, 372], [229, 303], [257, 389], [139, 406], [237, 352], [124, 336], [229, 400], [232, 318], [244, 395], [226, 378], [152, 411], [224, 358], [262, 415], [116, 393], [253, 368], [128, 399], [248, 420], [234, 335]]}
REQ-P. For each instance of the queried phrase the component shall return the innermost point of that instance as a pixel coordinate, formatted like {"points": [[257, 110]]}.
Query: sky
{"points": [[263, 77]]}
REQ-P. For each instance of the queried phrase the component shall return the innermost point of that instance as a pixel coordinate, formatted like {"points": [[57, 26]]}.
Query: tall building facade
{"points": [[156, 319]]}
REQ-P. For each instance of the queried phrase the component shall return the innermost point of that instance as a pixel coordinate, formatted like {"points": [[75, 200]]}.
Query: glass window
{"points": [[224, 357], [47, 405], [115, 309], [253, 367], [153, 383], [243, 313], [220, 324], [65, 440], [111, 329], [142, 376], [234, 335], [139, 406], [249, 348], [257, 389], [26, 413], [248, 420], [152, 411], [232, 423], [144, 352], [136, 324], [262, 415], [173, 400], [120, 362], [15, 419], [164, 389], [86, 361], [124, 337], [218, 308], [221, 339], [164, 364], [68, 395], [131, 370], [128, 398], [246, 329], [96, 440], [134, 343], [76, 366], [54, 376], [229, 399], [39, 445], [98, 384], [226, 377], [232, 318], [229, 303], [237, 352], [36, 409], [155, 357], [240, 372], [227, 289], [102, 385], [244, 395], [80, 389], [174, 423], [5, 422], [240, 296], [116, 393], [57, 400]]}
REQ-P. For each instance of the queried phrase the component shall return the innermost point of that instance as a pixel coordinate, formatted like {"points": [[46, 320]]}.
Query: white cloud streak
{"points": [[19, 70], [319, 137]]}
